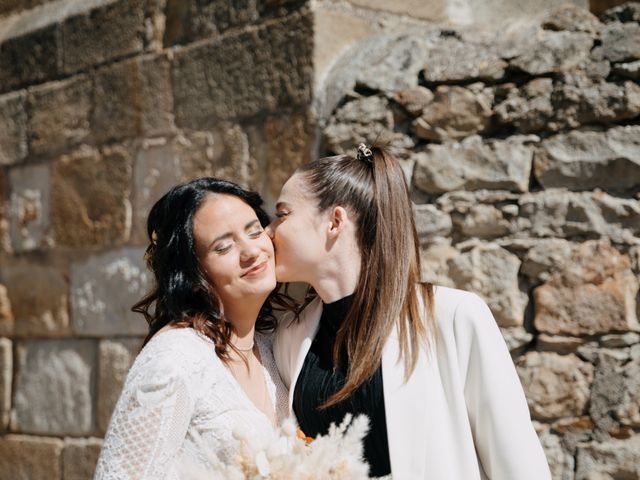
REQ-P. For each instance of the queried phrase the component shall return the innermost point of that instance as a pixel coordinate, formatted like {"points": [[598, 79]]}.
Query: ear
{"points": [[337, 221]]}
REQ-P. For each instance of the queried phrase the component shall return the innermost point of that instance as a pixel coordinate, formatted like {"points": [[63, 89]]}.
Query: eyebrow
{"points": [[229, 234]]}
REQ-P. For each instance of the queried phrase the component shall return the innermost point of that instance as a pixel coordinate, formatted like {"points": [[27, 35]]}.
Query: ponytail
{"points": [[373, 187]]}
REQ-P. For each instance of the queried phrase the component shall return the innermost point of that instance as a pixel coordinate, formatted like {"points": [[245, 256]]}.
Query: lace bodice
{"points": [[178, 401]]}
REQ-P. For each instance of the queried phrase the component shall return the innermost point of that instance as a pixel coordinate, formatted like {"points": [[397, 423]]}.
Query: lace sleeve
{"points": [[150, 420]]}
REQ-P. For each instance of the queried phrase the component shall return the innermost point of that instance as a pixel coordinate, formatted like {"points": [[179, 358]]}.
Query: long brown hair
{"points": [[183, 295], [374, 189]]}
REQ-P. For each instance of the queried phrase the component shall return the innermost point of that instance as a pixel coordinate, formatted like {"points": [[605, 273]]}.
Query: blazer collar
{"points": [[404, 401], [305, 332]]}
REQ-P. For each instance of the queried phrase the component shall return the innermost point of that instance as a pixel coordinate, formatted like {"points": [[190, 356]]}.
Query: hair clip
{"points": [[364, 153]]}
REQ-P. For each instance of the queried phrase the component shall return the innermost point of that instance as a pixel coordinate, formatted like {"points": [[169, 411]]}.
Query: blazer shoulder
{"points": [[459, 306]]}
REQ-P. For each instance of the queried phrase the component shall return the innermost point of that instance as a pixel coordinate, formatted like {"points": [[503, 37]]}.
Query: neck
{"points": [[339, 276], [243, 316]]}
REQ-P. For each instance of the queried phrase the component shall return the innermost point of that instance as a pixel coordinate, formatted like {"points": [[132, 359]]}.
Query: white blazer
{"points": [[462, 414]]}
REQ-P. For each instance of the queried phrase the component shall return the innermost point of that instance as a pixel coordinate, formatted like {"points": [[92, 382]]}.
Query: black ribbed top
{"points": [[318, 381]]}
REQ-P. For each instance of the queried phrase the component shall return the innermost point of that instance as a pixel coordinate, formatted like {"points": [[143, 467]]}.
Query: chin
{"points": [[282, 275]]}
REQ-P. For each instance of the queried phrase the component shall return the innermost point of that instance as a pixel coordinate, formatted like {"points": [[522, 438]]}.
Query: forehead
{"points": [[220, 213], [294, 191]]}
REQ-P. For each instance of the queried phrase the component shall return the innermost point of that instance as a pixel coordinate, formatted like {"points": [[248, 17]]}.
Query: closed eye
{"points": [[222, 249], [282, 214]]}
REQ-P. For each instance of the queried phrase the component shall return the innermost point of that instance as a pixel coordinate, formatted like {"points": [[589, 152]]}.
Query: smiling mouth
{"points": [[253, 271]]}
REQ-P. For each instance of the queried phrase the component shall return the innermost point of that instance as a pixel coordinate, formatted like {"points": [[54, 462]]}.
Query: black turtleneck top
{"points": [[318, 381]]}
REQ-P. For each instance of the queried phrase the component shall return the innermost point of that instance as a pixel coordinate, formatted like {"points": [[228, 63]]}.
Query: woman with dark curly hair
{"points": [[206, 368]]}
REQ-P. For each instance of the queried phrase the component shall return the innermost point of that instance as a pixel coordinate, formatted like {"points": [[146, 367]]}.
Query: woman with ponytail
{"points": [[427, 364]]}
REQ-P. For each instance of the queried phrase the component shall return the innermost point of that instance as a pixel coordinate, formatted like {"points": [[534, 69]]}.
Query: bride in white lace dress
{"points": [[206, 369]]}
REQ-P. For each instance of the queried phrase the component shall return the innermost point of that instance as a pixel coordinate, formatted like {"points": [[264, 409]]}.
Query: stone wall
{"points": [[522, 150], [104, 105]]}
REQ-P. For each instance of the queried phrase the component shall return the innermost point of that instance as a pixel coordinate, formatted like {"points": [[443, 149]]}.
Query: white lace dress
{"points": [[179, 399]]}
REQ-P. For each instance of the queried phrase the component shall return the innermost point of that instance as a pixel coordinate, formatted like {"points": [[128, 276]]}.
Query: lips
{"points": [[256, 270]]}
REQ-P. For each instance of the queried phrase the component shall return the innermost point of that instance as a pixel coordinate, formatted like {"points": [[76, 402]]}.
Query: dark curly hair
{"points": [[182, 295]]}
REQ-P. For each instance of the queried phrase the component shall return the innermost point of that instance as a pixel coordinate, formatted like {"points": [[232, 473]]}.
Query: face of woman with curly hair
{"points": [[233, 249]]}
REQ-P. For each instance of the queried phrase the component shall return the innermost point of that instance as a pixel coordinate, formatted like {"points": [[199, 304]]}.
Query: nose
{"points": [[249, 251], [271, 230]]}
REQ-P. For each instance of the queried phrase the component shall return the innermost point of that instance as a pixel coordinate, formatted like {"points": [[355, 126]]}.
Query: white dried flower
{"points": [[335, 456]]}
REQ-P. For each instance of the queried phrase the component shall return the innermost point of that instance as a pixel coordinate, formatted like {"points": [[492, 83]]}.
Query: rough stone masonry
{"points": [[521, 146]]}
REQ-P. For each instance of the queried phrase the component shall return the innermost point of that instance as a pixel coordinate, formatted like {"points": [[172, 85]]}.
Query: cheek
{"points": [[219, 271]]}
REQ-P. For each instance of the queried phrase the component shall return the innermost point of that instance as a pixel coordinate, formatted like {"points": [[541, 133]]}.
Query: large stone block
{"points": [[546, 257], [103, 290], [156, 170], [194, 19], [191, 20], [29, 58], [115, 359], [434, 261], [621, 42], [573, 100], [627, 12], [90, 204], [260, 70], [384, 63], [579, 100], [492, 272], [571, 18], [6, 315], [157, 95], [561, 463], [414, 100], [615, 397], [30, 458], [607, 390], [365, 119], [456, 59], [552, 51], [63, 370], [628, 411], [132, 98], [431, 222], [516, 338], [455, 113], [555, 385], [528, 107], [611, 459], [110, 31], [79, 458], [287, 145], [13, 128], [222, 152], [5, 242], [118, 108], [59, 116], [39, 295], [563, 214], [6, 379], [482, 221], [474, 164], [595, 292], [29, 207], [588, 160]]}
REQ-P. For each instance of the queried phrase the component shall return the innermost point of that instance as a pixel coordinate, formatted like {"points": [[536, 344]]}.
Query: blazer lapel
{"points": [[304, 334], [406, 412]]}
